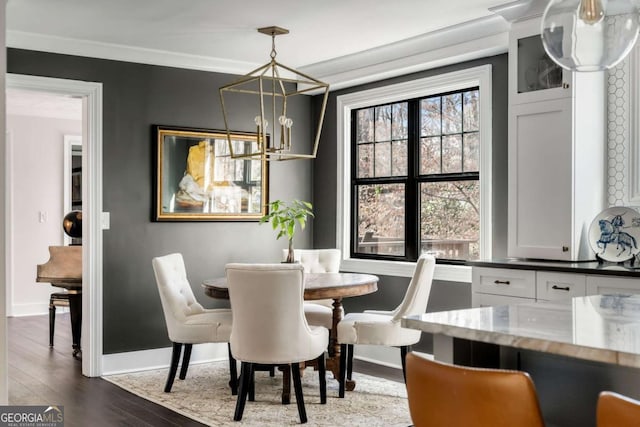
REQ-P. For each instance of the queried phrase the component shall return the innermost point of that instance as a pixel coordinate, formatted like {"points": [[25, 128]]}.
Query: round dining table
{"points": [[317, 286]]}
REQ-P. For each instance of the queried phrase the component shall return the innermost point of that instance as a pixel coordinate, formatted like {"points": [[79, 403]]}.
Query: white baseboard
{"points": [[32, 309], [158, 358], [381, 355]]}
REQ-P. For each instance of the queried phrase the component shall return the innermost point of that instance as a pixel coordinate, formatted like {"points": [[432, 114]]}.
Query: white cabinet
{"points": [[499, 286], [556, 153], [598, 285], [505, 286], [552, 286], [533, 76]]}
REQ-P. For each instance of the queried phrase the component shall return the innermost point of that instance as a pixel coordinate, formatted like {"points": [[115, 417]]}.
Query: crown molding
{"points": [[471, 40], [464, 42], [520, 9], [116, 52]]}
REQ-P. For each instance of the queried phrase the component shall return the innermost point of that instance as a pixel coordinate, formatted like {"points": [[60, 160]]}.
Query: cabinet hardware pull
{"points": [[502, 282], [565, 85], [565, 249], [561, 288]]}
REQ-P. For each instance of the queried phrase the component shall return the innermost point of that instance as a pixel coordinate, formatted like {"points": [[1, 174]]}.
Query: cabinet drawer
{"points": [[502, 281], [489, 300], [555, 286], [597, 285]]}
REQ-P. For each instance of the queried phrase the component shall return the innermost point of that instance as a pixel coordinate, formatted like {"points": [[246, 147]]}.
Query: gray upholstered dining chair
{"points": [[374, 327], [269, 326], [187, 321], [318, 312]]}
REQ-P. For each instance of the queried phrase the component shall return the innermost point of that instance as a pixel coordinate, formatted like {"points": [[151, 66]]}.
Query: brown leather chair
{"points": [[443, 395], [616, 410]]}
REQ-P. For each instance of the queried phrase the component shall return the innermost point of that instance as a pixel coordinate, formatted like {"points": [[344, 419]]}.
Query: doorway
{"points": [[90, 95]]}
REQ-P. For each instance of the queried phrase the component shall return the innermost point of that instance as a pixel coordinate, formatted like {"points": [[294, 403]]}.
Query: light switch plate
{"points": [[106, 220]]}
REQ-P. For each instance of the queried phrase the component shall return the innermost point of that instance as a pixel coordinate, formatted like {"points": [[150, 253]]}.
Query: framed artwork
{"points": [[197, 180]]}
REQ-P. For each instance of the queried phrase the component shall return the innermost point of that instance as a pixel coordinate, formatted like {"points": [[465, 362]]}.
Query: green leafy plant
{"points": [[283, 218]]}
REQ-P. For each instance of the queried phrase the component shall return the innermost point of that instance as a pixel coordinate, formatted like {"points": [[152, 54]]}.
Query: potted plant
{"points": [[283, 217]]}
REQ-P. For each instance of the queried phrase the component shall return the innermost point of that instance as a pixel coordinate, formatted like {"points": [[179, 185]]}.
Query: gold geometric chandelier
{"points": [[271, 93]]}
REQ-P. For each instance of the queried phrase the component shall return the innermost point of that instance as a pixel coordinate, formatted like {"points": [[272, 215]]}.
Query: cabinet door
{"points": [[598, 285], [533, 76], [541, 181]]}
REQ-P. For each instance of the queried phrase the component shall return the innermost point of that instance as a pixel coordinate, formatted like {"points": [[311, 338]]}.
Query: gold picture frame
{"points": [[197, 180]]}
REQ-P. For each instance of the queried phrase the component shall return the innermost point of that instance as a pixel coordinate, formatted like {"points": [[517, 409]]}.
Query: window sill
{"points": [[443, 272]]}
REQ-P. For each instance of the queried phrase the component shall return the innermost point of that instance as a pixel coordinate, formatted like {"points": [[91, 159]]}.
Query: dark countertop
{"points": [[584, 267]]}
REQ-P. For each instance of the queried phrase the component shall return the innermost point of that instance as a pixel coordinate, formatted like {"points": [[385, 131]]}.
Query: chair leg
{"points": [[245, 378], [252, 383], [403, 356], [297, 385], [286, 384], [185, 361], [350, 362], [52, 322], [343, 368], [175, 358], [233, 373], [322, 373]]}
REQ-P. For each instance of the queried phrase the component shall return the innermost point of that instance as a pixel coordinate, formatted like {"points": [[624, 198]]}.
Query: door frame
{"points": [[91, 95]]}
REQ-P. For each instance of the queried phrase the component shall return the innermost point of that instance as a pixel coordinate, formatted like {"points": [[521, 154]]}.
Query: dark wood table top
{"points": [[316, 285]]}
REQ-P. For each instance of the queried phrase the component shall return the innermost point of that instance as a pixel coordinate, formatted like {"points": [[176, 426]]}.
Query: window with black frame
{"points": [[415, 178]]}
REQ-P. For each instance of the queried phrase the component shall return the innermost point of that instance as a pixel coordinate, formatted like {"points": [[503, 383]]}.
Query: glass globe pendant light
{"points": [[589, 35]]}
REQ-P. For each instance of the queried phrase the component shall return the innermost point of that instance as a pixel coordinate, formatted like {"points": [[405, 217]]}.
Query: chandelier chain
{"points": [[273, 46]]}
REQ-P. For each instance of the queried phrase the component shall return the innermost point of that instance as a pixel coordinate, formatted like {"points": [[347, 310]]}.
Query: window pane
{"points": [[450, 219], [399, 158], [365, 161], [452, 113], [430, 155], [471, 152], [430, 117], [383, 159], [381, 219], [399, 129], [471, 111], [452, 154], [383, 123], [364, 126]]}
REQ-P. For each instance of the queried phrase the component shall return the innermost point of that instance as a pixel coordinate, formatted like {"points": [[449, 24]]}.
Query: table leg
{"points": [[333, 361], [75, 312]]}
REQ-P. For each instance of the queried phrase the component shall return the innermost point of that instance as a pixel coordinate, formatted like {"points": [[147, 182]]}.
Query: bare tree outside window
{"points": [[437, 165]]}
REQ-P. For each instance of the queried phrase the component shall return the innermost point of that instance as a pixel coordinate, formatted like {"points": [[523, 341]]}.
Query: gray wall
{"points": [[444, 295], [136, 96]]}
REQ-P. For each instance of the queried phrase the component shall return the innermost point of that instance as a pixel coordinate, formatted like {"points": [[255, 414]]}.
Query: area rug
{"points": [[205, 397]]}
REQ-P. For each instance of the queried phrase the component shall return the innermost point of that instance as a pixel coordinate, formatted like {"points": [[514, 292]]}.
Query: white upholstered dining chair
{"points": [[269, 326], [187, 321], [373, 327], [318, 312]]}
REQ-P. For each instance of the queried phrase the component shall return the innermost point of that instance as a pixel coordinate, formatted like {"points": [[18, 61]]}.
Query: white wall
{"points": [[36, 209]]}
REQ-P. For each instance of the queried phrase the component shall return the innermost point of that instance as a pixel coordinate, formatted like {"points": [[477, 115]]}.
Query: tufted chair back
{"points": [[417, 295], [268, 324], [176, 295], [316, 260]]}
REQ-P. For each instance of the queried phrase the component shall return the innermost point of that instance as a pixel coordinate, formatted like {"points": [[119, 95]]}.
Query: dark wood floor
{"points": [[39, 375]]}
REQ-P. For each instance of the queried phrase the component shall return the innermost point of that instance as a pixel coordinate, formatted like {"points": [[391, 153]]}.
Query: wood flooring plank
{"points": [[40, 375]]}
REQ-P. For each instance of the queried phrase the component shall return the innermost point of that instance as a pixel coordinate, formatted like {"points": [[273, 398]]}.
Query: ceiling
{"points": [[331, 37]]}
